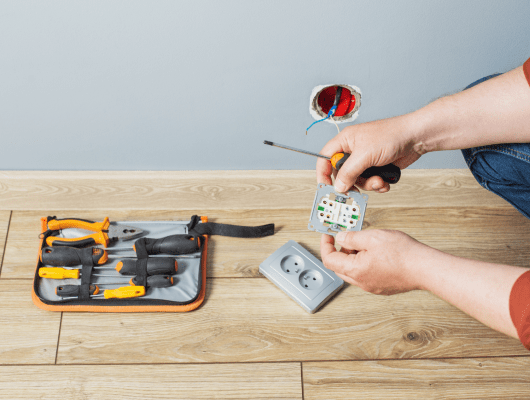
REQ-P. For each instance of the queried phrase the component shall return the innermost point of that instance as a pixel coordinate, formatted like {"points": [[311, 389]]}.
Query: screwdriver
{"points": [[158, 281], [389, 173], [119, 293], [173, 244], [63, 273], [65, 256], [155, 266], [69, 256]]}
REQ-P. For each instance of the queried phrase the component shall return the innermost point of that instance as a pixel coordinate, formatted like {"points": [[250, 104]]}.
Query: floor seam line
{"points": [[302, 378], [5, 243], [59, 338], [268, 362]]}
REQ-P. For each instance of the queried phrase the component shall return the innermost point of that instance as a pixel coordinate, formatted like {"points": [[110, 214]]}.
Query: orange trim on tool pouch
{"points": [[204, 219], [176, 266], [85, 308]]}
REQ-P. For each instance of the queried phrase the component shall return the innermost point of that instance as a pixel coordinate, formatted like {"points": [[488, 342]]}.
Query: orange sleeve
{"points": [[526, 69], [520, 308]]}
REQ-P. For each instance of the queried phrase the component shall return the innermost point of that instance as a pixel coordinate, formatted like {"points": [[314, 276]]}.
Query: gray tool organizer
{"points": [[187, 279]]}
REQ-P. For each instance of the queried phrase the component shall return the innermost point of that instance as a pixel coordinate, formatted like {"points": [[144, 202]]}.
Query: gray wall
{"points": [[180, 85]]}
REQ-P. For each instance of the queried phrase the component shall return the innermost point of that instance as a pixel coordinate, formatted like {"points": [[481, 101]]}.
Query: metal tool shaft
{"points": [[295, 149]]}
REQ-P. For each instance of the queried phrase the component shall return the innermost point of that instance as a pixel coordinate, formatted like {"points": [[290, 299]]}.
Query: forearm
{"points": [[478, 288], [493, 112]]}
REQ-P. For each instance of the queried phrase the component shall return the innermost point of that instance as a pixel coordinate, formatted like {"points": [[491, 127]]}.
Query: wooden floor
{"points": [[249, 340]]}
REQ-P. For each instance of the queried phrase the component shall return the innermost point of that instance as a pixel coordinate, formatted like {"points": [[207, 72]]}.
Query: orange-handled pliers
{"points": [[105, 232]]}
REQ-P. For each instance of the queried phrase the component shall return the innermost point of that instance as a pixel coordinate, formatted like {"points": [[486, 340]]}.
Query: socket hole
{"points": [[311, 279], [289, 263]]}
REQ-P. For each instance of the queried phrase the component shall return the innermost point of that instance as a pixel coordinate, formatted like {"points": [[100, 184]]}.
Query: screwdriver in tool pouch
{"points": [[124, 292], [157, 281], [389, 173], [63, 273], [69, 256]]}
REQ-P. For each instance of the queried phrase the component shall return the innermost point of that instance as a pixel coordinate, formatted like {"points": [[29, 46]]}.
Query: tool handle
{"points": [[155, 266], [85, 241], [124, 292], [99, 237], [67, 223], [174, 244], [155, 281], [73, 290], [69, 256], [389, 173], [58, 273]]}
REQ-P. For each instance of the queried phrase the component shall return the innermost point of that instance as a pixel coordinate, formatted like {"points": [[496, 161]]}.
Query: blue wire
{"points": [[330, 114]]}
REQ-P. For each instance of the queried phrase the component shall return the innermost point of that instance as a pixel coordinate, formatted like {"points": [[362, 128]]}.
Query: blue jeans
{"points": [[503, 169]]}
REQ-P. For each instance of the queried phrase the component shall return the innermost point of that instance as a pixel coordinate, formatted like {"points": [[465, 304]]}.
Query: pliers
{"points": [[105, 232]]}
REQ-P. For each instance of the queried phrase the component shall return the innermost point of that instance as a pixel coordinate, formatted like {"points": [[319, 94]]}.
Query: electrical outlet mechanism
{"points": [[301, 276], [335, 212]]}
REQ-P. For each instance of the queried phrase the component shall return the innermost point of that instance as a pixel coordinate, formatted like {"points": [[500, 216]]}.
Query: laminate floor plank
{"points": [[139, 382], [218, 190], [483, 378], [28, 335], [251, 320]]}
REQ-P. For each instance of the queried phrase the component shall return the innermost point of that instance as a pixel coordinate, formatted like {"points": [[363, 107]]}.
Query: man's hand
{"points": [[378, 261], [370, 144]]}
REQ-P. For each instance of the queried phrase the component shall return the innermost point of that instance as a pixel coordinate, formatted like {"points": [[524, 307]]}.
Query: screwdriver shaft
{"points": [[295, 149]]}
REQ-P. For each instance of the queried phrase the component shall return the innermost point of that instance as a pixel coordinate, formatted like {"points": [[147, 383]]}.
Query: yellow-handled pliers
{"points": [[105, 232]]}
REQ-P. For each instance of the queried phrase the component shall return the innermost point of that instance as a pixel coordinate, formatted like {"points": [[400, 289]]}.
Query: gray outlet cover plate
{"points": [[301, 276], [323, 190]]}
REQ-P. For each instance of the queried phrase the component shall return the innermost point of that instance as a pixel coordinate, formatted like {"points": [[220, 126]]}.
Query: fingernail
{"points": [[340, 236], [340, 186], [376, 186], [382, 190]]}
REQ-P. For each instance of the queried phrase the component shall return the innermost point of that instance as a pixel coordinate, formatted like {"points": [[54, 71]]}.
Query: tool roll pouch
{"points": [[98, 274]]}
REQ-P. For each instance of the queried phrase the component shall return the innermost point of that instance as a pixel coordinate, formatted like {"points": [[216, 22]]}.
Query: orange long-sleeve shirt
{"points": [[520, 294]]}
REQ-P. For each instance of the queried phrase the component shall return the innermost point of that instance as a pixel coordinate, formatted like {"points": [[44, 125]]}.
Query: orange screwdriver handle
{"points": [[58, 273], [99, 237], [124, 292]]}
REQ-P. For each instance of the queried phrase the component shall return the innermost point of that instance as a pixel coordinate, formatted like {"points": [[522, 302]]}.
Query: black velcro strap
{"points": [[141, 263], [212, 228], [86, 272]]}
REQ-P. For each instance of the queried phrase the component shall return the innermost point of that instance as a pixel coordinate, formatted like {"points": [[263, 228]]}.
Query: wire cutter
{"points": [[105, 232]]}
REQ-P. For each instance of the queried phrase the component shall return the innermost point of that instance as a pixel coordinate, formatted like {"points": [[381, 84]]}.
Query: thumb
{"points": [[349, 172], [353, 240]]}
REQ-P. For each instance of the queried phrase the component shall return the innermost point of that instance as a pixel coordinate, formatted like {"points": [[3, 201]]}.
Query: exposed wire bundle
{"points": [[332, 110]]}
